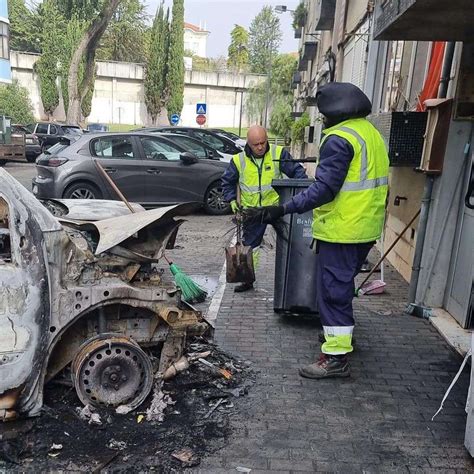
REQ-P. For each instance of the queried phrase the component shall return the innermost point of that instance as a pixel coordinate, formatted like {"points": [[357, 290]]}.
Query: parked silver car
{"points": [[147, 168]]}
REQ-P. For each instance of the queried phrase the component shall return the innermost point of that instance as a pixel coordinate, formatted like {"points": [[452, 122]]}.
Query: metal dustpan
{"points": [[239, 257]]}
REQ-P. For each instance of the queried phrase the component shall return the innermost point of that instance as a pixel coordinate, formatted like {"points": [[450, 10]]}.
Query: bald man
{"points": [[253, 170]]}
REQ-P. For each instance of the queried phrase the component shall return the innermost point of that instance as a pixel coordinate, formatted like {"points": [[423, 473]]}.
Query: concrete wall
{"points": [[119, 94]]}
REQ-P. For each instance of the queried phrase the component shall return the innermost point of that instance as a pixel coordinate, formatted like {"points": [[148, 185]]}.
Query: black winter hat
{"points": [[342, 100]]}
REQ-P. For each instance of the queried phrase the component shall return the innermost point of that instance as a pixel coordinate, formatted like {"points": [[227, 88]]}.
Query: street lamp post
{"points": [[282, 9]]}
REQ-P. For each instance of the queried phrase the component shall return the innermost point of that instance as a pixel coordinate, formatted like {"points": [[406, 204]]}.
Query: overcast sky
{"points": [[220, 16]]}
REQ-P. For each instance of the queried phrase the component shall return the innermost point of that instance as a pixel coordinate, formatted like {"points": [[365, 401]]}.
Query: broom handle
{"points": [[238, 217], [114, 187], [382, 258]]}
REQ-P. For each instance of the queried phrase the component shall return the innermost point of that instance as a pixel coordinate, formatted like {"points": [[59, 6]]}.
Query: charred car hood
{"points": [[88, 209]]}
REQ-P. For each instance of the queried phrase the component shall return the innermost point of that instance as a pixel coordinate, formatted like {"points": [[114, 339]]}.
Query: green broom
{"points": [[191, 292]]}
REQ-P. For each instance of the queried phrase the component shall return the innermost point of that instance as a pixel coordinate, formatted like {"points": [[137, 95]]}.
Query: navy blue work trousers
{"points": [[253, 234], [338, 264]]}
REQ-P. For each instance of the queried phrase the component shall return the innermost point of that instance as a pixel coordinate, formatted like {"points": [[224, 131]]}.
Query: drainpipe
{"points": [[427, 193]]}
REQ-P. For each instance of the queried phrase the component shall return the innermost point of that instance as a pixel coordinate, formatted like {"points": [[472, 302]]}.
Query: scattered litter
{"points": [[158, 404], [187, 457], [140, 418], [243, 469], [211, 411], [66, 433], [87, 414], [192, 356], [176, 367], [54, 450], [225, 373], [123, 409], [236, 392], [114, 444]]}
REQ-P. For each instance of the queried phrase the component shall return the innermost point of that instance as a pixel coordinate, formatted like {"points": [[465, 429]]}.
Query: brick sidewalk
{"points": [[379, 420]]}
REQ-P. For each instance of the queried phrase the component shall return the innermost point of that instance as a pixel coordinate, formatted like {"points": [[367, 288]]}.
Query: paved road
{"points": [[23, 172]]}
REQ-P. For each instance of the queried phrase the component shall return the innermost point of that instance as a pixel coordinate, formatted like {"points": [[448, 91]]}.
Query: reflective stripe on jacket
{"points": [[356, 214], [256, 182]]}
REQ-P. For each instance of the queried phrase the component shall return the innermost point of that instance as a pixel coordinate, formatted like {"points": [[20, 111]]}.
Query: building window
{"points": [[4, 47]]}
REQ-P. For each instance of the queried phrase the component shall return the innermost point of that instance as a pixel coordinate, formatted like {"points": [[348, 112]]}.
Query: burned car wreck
{"points": [[83, 290]]}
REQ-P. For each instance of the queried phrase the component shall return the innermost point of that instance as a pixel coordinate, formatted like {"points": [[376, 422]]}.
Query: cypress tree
{"points": [[47, 65], [175, 76], [155, 84]]}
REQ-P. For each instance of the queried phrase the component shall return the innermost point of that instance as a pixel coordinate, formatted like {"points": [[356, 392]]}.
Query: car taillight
{"points": [[52, 161]]}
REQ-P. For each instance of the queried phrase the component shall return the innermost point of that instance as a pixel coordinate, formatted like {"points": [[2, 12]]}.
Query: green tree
{"points": [[125, 37], [52, 36], [297, 130], [280, 96], [175, 75], [156, 89], [255, 102], [24, 31], [299, 15], [15, 103], [81, 81], [74, 30], [264, 40], [238, 53]]}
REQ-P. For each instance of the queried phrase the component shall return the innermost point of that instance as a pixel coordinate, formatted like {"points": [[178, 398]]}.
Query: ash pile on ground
{"points": [[197, 423]]}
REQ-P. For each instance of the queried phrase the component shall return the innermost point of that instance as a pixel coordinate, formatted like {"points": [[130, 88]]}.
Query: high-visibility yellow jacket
{"points": [[255, 182], [357, 213]]}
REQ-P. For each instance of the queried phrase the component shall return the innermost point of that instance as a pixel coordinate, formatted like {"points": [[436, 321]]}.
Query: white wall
{"points": [[119, 94]]}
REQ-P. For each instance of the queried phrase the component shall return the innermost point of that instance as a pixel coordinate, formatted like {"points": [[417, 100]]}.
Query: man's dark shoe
{"points": [[327, 366], [322, 339], [243, 287]]}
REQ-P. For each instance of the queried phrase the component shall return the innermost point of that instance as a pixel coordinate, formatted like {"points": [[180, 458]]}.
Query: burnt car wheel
{"points": [[111, 370], [214, 202], [82, 191]]}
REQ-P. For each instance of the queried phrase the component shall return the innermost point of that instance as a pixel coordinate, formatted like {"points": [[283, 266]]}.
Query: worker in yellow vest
{"points": [[253, 170], [348, 198]]}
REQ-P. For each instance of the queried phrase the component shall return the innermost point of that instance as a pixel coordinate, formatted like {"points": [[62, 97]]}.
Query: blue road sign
{"points": [[201, 109], [174, 119]]}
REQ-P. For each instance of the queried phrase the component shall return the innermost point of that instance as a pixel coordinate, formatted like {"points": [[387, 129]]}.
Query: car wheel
{"points": [[31, 158], [214, 202], [82, 191], [2, 162]]}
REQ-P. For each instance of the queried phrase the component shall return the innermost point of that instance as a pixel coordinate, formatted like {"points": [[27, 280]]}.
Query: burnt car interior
{"points": [[5, 245]]}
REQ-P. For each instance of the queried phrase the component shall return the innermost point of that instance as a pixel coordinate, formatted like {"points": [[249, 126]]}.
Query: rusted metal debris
{"points": [[83, 289]]}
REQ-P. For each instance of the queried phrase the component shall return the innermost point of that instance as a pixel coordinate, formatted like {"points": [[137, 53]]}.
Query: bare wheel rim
{"points": [[215, 199], [112, 372], [82, 193]]}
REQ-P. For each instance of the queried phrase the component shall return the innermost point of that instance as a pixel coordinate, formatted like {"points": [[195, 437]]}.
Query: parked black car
{"points": [[232, 136], [50, 133], [97, 127], [197, 147], [147, 168], [32, 143], [222, 144]]}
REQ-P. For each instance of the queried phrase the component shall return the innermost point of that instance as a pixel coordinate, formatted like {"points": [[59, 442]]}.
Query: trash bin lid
{"points": [[292, 183]]}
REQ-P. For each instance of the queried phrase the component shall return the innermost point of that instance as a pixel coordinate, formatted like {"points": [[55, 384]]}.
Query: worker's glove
{"points": [[235, 206], [263, 215]]}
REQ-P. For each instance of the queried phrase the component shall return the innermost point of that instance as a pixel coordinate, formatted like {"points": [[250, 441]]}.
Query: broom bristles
{"points": [[191, 292]]}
